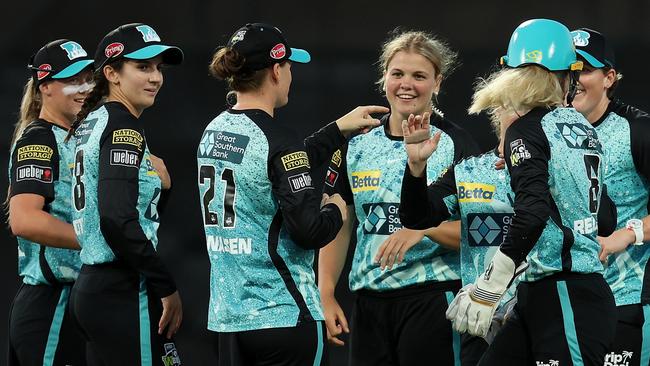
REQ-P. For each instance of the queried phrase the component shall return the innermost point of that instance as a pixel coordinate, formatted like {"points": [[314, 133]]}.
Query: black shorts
{"points": [[471, 349], [565, 319], [295, 346], [118, 317], [632, 343], [404, 327], [41, 332]]}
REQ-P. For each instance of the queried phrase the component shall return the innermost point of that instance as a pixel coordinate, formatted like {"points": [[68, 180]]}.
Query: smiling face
{"points": [[591, 98], [410, 82], [64, 97], [136, 84]]}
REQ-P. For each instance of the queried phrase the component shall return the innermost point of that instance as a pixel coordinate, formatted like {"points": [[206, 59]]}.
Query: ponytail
{"points": [[30, 108]]}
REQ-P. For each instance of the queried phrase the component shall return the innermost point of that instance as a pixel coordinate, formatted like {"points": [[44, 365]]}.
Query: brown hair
{"points": [[444, 60], [99, 92], [30, 108], [228, 64]]}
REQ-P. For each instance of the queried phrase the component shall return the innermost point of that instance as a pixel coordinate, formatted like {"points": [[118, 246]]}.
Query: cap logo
{"points": [[148, 34], [40, 75], [113, 49], [534, 56], [580, 38], [73, 49], [278, 51], [239, 36]]}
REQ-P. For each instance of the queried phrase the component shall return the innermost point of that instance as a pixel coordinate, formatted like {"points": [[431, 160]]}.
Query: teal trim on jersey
{"points": [[455, 335], [319, 345], [569, 324], [145, 327], [645, 340], [55, 327]]}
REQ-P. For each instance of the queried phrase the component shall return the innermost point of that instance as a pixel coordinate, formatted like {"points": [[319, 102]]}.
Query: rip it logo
{"points": [[549, 363], [148, 34], [580, 38], [73, 49], [381, 218], [618, 359]]}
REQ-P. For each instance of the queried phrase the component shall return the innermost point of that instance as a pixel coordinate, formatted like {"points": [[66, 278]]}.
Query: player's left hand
{"points": [[359, 120], [161, 169], [394, 248], [474, 311], [615, 243]]}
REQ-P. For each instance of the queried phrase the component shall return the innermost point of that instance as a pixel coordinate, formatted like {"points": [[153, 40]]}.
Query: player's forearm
{"points": [[331, 258], [42, 228], [446, 234]]}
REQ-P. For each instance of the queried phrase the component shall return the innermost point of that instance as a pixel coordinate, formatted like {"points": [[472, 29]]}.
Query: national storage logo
{"points": [[365, 181], [475, 192], [35, 152]]}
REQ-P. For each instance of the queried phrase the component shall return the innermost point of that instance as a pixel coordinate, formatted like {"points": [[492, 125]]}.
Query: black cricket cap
{"points": [[593, 47], [58, 59]]}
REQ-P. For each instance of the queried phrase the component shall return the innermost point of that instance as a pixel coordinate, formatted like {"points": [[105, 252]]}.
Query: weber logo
{"points": [[124, 158], [300, 182], [34, 172]]}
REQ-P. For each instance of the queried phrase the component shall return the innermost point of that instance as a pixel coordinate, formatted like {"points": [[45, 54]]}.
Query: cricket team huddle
{"points": [[531, 253]]}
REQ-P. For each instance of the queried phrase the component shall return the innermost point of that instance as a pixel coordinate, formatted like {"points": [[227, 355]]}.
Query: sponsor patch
{"points": [[148, 34], [331, 177], [35, 152], [295, 160], [171, 357], [365, 181], [580, 38], [518, 152], [578, 136], [129, 137], [278, 51], [300, 182], [114, 49], [239, 36], [475, 192], [618, 359], [42, 74], [126, 158], [336, 158], [487, 229], [223, 146], [381, 218], [82, 133], [534, 56], [73, 50], [34, 172]]}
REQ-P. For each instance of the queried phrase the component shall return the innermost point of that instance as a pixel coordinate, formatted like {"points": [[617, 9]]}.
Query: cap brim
{"points": [[299, 55], [73, 69], [171, 55], [590, 59]]}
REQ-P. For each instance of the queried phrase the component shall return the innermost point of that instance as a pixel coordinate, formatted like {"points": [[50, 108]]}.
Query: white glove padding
{"points": [[474, 312], [452, 310]]}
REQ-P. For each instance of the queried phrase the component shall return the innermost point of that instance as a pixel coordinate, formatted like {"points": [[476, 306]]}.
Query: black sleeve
{"points": [[607, 214], [421, 207], [640, 142], [35, 163], [529, 154], [309, 226], [117, 193], [323, 143], [336, 178]]}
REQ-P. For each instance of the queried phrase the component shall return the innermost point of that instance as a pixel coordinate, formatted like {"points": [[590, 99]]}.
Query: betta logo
{"points": [[278, 51], [42, 74], [113, 49]]}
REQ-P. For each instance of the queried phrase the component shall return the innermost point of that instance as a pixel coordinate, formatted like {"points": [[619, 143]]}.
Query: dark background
{"points": [[344, 40]]}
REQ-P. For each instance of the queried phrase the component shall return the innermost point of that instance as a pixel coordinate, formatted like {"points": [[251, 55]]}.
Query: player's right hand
{"points": [[335, 320], [338, 201], [418, 142], [172, 315]]}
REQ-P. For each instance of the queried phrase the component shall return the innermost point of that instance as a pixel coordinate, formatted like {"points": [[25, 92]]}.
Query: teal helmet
{"points": [[542, 42]]}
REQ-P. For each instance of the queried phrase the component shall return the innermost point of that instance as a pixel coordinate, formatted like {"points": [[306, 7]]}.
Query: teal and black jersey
{"points": [[624, 132], [41, 163], [115, 195], [555, 164], [262, 220], [368, 174]]}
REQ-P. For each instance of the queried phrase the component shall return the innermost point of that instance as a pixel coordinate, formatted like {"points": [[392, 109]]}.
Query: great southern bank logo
{"points": [[381, 218], [487, 229]]}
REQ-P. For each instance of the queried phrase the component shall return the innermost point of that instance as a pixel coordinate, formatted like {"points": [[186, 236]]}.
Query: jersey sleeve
{"points": [[640, 143], [336, 178], [422, 207], [527, 161], [309, 225], [122, 150], [322, 143], [35, 164]]}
